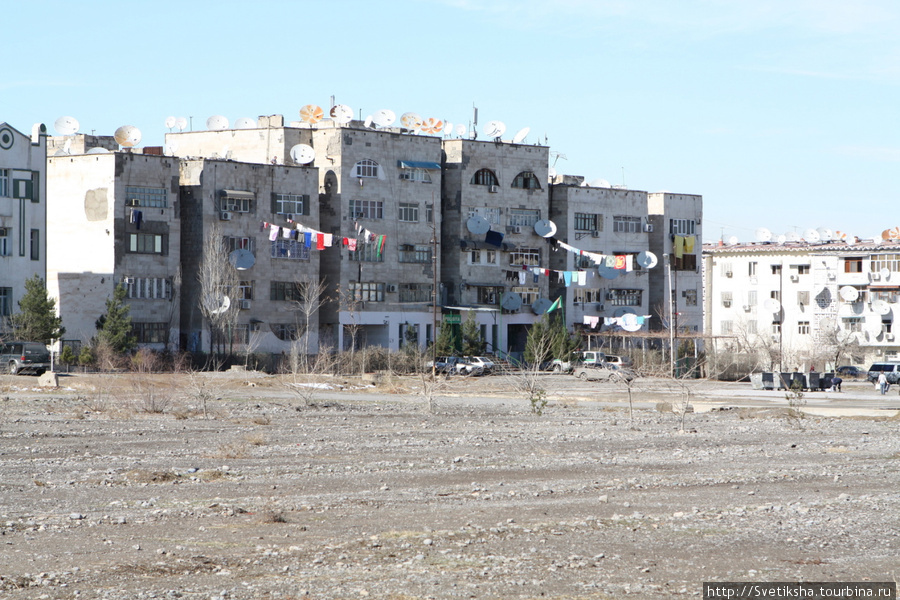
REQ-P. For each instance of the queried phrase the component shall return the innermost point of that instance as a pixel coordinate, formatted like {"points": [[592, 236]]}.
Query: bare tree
{"points": [[350, 304], [312, 296], [219, 301]]}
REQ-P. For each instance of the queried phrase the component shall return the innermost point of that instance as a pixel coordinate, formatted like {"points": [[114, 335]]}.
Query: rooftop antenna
{"points": [[623, 176], [556, 156]]}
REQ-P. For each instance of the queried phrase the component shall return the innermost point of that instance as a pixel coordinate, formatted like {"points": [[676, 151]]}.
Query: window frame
{"points": [[526, 180], [367, 169]]}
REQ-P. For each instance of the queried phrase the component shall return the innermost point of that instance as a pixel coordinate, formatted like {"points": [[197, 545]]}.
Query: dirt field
{"points": [[369, 492]]}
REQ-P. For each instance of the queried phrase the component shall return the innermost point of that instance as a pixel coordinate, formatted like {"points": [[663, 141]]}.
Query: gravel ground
{"points": [[370, 492]]}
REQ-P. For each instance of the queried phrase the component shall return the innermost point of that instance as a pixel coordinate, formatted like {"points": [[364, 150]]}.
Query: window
{"points": [[233, 243], [415, 292], [429, 213], [484, 177], [5, 242], [588, 222], [367, 291], [584, 262], [146, 196], [726, 327], [751, 298], [236, 201], [726, 270], [726, 299], [687, 262], [690, 297], [148, 288], [751, 270], [415, 254], [415, 174], [584, 295], [289, 249], [483, 257], [409, 212], [853, 265], [290, 204], [523, 217], [886, 326], [366, 253], [6, 301], [285, 291], [776, 269], [802, 269], [526, 180], [625, 297], [525, 257], [146, 243], [529, 294], [366, 168], [776, 327], [751, 327], [240, 333], [682, 226], [803, 298], [35, 244], [151, 333], [852, 324], [775, 295], [4, 183], [803, 327], [491, 215], [891, 262], [284, 331], [489, 294], [245, 290], [367, 209], [626, 224]]}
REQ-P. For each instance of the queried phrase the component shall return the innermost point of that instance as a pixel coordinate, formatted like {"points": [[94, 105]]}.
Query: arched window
{"points": [[484, 177], [366, 168], [526, 180]]}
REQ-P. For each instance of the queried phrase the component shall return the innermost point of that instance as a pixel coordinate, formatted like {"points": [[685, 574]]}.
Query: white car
{"points": [[486, 364]]}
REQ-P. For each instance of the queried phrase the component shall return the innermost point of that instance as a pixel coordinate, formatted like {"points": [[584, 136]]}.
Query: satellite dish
{"points": [[849, 293], [880, 307], [311, 113], [622, 311], [384, 117], [772, 305], [891, 234], [646, 259], [494, 129], [411, 120], [541, 305], [171, 147], [840, 236], [811, 235], [431, 125], [170, 122], [302, 154], [781, 239], [128, 136], [461, 130], [825, 234], [220, 307], [763, 235], [242, 259], [885, 273], [608, 272], [97, 150], [478, 225], [545, 228], [181, 123], [511, 301], [600, 183], [521, 135], [217, 123], [551, 173], [368, 122], [733, 240], [245, 123], [792, 236], [66, 125], [448, 128], [341, 114], [629, 322]]}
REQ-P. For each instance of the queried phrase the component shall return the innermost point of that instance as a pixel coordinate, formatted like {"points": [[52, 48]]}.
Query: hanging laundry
{"points": [[273, 232], [689, 244], [629, 262], [620, 262], [351, 243], [567, 277], [320, 241], [591, 322], [307, 239], [522, 277], [679, 246], [582, 277], [329, 240], [286, 233], [379, 244], [611, 261]]}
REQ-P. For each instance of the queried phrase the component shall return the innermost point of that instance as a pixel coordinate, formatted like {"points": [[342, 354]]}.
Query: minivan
{"points": [[891, 370]]}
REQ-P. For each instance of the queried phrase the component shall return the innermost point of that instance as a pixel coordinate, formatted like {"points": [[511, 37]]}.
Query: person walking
{"points": [[836, 383], [883, 383]]}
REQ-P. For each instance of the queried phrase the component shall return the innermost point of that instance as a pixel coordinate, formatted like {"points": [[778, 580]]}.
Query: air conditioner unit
{"points": [[610, 296], [746, 308], [517, 229], [726, 303], [601, 307], [494, 189], [595, 233], [832, 277], [648, 228], [245, 305], [875, 276], [728, 273], [889, 337], [795, 278], [392, 288], [128, 280], [225, 215]]}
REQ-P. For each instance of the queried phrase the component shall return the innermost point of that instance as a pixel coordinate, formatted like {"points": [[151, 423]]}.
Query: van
{"points": [[24, 357], [592, 357], [586, 357], [891, 370]]}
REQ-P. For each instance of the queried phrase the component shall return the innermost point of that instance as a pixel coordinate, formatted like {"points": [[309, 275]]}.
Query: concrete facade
{"points": [[23, 214]]}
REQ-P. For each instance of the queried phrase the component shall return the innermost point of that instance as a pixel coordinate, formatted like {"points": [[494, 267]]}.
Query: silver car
{"points": [[602, 372], [24, 357]]}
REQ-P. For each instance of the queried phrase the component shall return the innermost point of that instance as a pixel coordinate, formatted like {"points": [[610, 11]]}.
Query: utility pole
{"points": [[434, 289]]}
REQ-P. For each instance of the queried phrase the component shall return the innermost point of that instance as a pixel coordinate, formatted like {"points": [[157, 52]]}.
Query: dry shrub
{"points": [[149, 476], [255, 439], [232, 450]]}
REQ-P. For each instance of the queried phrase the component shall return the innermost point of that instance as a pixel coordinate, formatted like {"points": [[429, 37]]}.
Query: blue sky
{"points": [[780, 113]]}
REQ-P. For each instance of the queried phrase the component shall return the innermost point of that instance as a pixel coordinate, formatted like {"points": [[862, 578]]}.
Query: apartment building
{"points": [[23, 213]]}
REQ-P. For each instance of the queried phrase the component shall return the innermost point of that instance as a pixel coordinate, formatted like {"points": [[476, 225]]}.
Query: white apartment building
{"points": [[23, 213]]}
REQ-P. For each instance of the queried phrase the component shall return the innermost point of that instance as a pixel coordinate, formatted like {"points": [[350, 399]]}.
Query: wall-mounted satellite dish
{"points": [[97, 150], [341, 114], [461, 130], [521, 135], [545, 228], [608, 272], [170, 123], [66, 125], [629, 322], [622, 311], [181, 123], [825, 234], [811, 235], [411, 120], [647, 259], [302, 154], [217, 123], [880, 307], [311, 113], [772, 305], [541, 305], [885, 273], [849, 293], [494, 129], [384, 117], [218, 305], [242, 259], [511, 301], [478, 225], [128, 136], [763, 235], [245, 123]]}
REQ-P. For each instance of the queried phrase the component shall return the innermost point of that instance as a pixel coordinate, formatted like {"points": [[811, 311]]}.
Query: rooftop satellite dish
{"points": [[630, 322], [880, 307], [511, 301], [551, 172], [311, 113], [97, 150], [849, 293], [411, 120], [541, 305], [763, 235], [892, 234], [66, 125], [521, 135], [772, 305], [733, 240], [494, 129], [792, 236], [170, 122], [600, 183], [217, 123], [368, 122], [431, 125], [781, 239], [825, 234], [245, 123], [545, 228], [302, 154], [478, 225], [647, 259], [181, 123], [128, 136], [811, 235], [840, 236], [171, 148], [461, 130], [242, 259], [384, 117], [608, 272], [341, 114], [448, 127]]}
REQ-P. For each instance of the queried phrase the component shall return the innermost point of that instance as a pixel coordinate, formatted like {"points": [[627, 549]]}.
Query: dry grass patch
{"points": [[150, 476]]}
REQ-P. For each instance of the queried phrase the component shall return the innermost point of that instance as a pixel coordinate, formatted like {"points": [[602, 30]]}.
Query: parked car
{"points": [[585, 357], [603, 372], [25, 357], [849, 372], [891, 370], [619, 361], [486, 364], [454, 365]]}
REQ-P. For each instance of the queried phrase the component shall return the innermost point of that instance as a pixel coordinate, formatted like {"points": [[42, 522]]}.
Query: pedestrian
{"points": [[883, 383], [836, 383]]}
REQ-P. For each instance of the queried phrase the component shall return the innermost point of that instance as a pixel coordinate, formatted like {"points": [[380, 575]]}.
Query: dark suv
{"points": [[24, 357]]}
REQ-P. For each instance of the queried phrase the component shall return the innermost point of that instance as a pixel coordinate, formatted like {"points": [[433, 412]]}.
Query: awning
{"points": [[419, 164], [470, 245], [239, 194]]}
